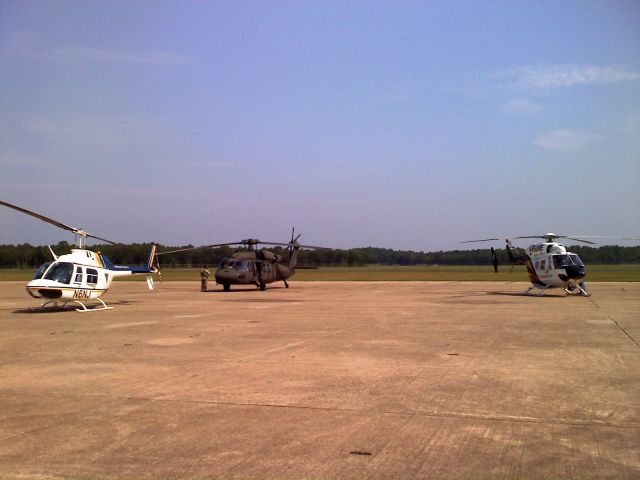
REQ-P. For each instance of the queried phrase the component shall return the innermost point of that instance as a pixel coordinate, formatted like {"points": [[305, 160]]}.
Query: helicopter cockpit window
{"points": [[41, 270], [240, 265], [576, 260], [566, 260], [227, 263], [561, 261], [60, 272]]}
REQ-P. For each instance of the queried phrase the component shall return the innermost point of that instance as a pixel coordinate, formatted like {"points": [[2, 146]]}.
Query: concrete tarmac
{"points": [[323, 380]]}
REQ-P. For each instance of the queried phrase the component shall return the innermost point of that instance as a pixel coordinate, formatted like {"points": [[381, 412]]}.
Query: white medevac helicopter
{"points": [[549, 264], [80, 275]]}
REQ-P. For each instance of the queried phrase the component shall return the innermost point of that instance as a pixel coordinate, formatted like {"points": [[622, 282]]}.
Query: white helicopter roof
{"points": [[548, 247], [83, 257]]}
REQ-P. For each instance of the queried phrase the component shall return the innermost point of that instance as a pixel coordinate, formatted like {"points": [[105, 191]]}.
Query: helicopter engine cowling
{"points": [[268, 255]]}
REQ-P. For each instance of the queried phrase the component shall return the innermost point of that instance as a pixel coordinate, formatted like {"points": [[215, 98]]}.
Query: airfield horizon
{"points": [[399, 273]]}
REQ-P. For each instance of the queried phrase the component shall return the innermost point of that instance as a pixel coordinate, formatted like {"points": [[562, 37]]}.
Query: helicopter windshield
{"points": [[60, 272], [41, 270], [566, 260], [240, 265], [576, 259]]}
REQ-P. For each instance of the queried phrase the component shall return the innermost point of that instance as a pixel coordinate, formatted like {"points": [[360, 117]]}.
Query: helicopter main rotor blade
{"points": [[103, 239], [577, 237], [40, 217], [294, 244], [225, 244], [580, 240], [214, 245], [311, 246], [551, 236], [56, 223], [178, 250], [281, 244], [483, 240], [201, 246], [546, 237]]}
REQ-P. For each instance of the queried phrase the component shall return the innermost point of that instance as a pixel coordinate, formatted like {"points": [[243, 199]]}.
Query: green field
{"points": [[374, 273]]}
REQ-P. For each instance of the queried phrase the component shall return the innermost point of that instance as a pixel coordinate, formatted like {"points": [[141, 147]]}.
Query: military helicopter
{"points": [[549, 264], [80, 275], [254, 266]]}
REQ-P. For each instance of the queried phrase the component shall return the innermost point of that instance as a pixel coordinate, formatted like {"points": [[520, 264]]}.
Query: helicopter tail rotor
{"points": [[152, 257], [152, 265], [294, 240], [156, 264], [514, 257]]}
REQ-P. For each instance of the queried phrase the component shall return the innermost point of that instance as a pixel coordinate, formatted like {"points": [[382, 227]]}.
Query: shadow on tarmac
{"points": [[69, 308], [250, 288], [522, 294]]}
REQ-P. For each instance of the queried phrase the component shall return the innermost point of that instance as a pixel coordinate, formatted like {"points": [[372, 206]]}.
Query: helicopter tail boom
{"points": [[293, 259], [123, 270]]}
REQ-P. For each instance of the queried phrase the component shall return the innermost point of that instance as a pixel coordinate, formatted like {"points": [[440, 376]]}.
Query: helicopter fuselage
{"points": [[252, 268], [77, 276], [550, 265], [81, 274]]}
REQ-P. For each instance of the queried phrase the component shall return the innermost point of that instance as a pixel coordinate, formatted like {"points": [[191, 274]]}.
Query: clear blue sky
{"points": [[408, 125]]}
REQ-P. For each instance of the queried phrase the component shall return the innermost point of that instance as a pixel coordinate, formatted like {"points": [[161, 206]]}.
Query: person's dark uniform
{"points": [[204, 278]]}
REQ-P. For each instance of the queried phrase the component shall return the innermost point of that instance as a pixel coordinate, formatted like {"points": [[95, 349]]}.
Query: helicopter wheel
{"points": [[226, 287], [262, 286]]}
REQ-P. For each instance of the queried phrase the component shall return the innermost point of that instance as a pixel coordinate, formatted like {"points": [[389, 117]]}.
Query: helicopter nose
{"points": [[226, 275], [575, 272]]}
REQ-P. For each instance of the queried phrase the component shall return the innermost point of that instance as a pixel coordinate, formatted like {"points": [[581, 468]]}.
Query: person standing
{"points": [[204, 278]]}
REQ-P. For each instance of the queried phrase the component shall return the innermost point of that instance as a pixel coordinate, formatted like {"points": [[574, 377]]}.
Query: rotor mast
{"points": [[80, 238]]}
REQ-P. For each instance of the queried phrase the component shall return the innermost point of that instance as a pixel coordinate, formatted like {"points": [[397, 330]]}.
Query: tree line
{"points": [[28, 256]]}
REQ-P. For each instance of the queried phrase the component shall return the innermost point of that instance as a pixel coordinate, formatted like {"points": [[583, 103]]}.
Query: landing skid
{"points": [[535, 287], [582, 291], [55, 304], [96, 309]]}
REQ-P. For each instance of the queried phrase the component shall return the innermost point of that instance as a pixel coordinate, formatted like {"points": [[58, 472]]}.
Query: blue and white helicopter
{"points": [[549, 264], [81, 275]]}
